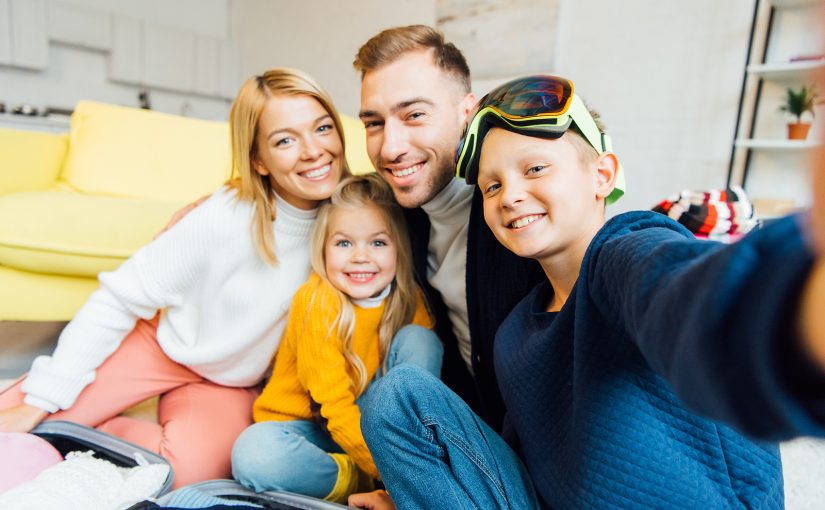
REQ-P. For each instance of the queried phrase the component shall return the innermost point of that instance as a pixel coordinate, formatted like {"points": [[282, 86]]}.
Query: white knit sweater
{"points": [[224, 308]]}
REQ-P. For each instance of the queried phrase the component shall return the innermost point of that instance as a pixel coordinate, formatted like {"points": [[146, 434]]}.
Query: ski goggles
{"points": [[542, 106]]}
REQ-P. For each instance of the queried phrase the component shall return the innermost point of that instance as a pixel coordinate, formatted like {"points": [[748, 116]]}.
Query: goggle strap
{"points": [[607, 143]]}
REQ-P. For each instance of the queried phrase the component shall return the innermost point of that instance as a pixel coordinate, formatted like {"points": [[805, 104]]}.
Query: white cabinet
{"points": [[771, 168]]}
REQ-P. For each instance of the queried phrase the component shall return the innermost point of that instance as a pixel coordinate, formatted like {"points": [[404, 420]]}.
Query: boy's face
{"points": [[540, 198], [413, 113]]}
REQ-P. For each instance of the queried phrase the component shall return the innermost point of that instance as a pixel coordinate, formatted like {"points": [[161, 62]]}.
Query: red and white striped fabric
{"points": [[721, 215]]}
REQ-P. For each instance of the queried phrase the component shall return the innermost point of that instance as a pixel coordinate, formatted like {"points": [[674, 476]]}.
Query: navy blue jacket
{"points": [[496, 280], [619, 399]]}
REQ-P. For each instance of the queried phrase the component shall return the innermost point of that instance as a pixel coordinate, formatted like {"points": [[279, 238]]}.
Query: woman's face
{"points": [[299, 149]]}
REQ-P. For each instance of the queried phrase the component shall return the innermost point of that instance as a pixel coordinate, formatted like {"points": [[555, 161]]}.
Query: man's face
{"points": [[413, 113]]}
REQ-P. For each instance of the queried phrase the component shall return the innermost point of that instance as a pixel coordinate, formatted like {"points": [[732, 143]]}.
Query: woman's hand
{"points": [[21, 418], [376, 500]]}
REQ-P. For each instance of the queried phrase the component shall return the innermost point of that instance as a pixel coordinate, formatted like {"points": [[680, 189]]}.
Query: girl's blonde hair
{"points": [[243, 125], [359, 192]]}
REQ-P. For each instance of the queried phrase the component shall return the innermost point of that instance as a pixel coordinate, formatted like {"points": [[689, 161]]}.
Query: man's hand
{"points": [[21, 418], [376, 500]]}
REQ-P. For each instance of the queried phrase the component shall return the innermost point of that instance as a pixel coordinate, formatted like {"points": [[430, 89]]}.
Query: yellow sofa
{"points": [[73, 205]]}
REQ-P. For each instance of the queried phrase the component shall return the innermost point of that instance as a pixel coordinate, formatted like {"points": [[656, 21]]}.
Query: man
{"points": [[415, 99]]}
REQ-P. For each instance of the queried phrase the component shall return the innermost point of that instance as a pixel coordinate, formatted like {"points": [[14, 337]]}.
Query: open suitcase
{"points": [[232, 490], [67, 437]]}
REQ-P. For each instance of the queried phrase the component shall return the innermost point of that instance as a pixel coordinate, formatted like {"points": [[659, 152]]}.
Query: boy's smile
{"points": [[524, 221]]}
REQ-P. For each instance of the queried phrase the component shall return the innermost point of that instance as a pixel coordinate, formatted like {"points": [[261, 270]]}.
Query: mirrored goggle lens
{"points": [[531, 96]]}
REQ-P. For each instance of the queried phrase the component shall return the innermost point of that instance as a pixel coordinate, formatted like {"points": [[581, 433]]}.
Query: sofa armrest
{"points": [[30, 160]]}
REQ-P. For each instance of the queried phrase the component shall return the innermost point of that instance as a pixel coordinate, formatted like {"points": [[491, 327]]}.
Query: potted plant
{"points": [[797, 102]]}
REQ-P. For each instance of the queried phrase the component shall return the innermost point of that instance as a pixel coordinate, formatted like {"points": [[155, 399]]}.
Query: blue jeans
{"points": [[292, 455], [433, 452]]}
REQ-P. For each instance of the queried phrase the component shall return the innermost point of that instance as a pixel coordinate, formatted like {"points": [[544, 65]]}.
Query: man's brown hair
{"points": [[391, 44]]}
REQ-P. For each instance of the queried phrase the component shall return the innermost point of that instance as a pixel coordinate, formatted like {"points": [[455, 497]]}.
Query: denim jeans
{"points": [[433, 452], [292, 455]]}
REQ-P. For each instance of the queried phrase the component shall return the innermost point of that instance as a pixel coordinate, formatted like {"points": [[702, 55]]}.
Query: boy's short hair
{"points": [[389, 45], [586, 151]]}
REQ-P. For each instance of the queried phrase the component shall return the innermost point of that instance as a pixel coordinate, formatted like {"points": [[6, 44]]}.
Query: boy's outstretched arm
{"points": [[812, 310]]}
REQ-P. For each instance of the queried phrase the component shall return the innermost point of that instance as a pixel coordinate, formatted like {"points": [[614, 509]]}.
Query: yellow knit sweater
{"points": [[310, 364]]}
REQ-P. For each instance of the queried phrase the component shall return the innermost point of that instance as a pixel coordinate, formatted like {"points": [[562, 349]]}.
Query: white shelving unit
{"points": [[793, 3], [763, 161], [776, 145], [787, 71]]}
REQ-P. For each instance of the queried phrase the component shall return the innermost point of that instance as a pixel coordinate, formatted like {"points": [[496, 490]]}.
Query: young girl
{"points": [[632, 372], [350, 323], [196, 315]]}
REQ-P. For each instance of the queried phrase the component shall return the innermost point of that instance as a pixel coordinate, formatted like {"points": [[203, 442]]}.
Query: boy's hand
{"points": [[813, 297], [818, 213], [21, 418], [817, 165], [376, 500]]}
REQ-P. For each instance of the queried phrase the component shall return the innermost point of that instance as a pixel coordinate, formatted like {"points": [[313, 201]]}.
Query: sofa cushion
{"points": [[30, 159], [128, 152], [355, 137], [68, 233]]}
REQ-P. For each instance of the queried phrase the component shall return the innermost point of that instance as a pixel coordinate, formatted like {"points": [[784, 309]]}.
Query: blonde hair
{"points": [[391, 44], [243, 125], [360, 192], [586, 152]]}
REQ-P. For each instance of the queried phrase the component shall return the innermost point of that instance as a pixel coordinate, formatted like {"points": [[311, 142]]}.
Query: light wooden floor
{"points": [[21, 342]]}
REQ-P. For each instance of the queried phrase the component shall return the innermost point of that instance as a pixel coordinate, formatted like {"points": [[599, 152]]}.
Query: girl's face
{"points": [[360, 255], [299, 149]]}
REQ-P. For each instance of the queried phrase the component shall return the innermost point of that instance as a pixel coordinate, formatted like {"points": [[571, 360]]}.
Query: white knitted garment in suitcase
{"points": [[84, 482]]}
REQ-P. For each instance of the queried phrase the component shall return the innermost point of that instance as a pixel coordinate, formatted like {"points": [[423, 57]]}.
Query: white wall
{"points": [[74, 75], [664, 74], [320, 36], [666, 77], [502, 38], [56, 52]]}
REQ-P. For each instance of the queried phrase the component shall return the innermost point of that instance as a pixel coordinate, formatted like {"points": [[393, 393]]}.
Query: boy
{"points": [[602, 367]]}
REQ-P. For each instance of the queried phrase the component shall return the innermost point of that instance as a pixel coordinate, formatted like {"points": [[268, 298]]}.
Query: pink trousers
{"points": [[198, 420]]}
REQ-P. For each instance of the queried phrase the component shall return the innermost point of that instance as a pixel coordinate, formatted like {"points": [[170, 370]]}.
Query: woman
{"points": [[196, 315]]}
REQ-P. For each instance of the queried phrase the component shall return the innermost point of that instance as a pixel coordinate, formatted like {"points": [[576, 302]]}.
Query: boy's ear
{"points": [[607, 168]]}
